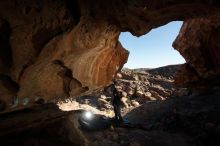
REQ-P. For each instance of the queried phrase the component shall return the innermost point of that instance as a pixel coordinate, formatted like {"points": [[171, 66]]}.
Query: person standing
{"points": [[117, 95]]}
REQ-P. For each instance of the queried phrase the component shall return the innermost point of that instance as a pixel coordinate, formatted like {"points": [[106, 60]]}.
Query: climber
{"points": [[117, 95]]}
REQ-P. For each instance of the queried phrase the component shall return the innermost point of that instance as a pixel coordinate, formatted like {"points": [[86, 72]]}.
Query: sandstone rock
{"points": [[160, 91], [200, 51], [126, 76], [45, 50], [119, 88], [138, 87], [119, 75], [107, 106], [156, 95], [151, 98], [103, 97], [129, 91], [136, 78], [102, 102], [147, 94], [140, 93], [124, 94], [124, 102], [135, 103]]}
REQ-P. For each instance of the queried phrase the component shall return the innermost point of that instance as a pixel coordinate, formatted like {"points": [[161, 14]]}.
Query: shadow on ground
{"points": [[184, 121], [196, 116]]}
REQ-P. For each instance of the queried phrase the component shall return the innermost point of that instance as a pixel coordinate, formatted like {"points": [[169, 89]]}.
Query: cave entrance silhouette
{"points": [[153, 49]]}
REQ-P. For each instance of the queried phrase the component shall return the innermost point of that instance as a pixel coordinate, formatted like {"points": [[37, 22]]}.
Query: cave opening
{"points": [[153, 49]]}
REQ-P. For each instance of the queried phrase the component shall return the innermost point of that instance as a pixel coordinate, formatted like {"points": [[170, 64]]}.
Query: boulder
{"points": [[124, 102], [103, 97], [102, 102], [156, 95], [134, 103]]}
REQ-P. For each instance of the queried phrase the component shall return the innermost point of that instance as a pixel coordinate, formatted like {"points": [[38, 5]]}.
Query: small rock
{"points": [[103, 97], [119, 75], [124, 94], [118, 87], [156, 95], [129, 91], [140, 93], [136, 78], [124, 102], [102, 109], [152, 98], [160, 90], [107, 106], [147, 94], [102, 102], [138, 88], [135, 103], [124, 99]]}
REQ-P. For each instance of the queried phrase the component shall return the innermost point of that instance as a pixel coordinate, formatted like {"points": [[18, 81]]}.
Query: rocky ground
{"points": [[138, 86], [179, 121]]}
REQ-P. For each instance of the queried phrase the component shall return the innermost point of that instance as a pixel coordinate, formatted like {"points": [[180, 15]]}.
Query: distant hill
{"points": [[165, 71]]}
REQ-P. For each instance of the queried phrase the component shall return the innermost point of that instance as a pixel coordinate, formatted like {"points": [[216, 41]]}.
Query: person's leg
{"points": [[115, 111], [119, 112]]}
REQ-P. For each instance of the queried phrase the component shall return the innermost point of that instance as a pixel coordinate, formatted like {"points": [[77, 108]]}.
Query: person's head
{"points": [[114, 81], [117, 76]]}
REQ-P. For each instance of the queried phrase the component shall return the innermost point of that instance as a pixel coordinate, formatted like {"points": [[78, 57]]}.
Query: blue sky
{"points": [[153, 49]]}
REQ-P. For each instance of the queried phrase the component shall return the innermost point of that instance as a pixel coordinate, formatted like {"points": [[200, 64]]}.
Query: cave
{"points": [[57, 50]]}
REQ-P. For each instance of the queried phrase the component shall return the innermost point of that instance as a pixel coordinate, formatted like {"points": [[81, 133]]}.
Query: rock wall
{"points": [[60, 48], [47, 53], [198, 44]]}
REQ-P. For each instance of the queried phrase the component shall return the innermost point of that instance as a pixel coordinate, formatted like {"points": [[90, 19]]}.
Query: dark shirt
{"points": [[116, 96]]}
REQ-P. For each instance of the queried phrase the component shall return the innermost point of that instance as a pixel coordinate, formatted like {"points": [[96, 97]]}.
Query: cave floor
{"points": [[182, 121]]}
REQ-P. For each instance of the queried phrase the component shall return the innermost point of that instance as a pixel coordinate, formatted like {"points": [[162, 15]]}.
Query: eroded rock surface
{"points": [[196, 43], [52, 55]]}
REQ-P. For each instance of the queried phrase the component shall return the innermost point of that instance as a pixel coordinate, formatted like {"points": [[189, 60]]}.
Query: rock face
{"points": [[53, 55], [197, 42], [60, 48]]}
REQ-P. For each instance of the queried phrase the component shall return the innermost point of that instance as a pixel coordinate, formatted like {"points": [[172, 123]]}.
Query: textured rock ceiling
{"points": [[59, 48]]}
